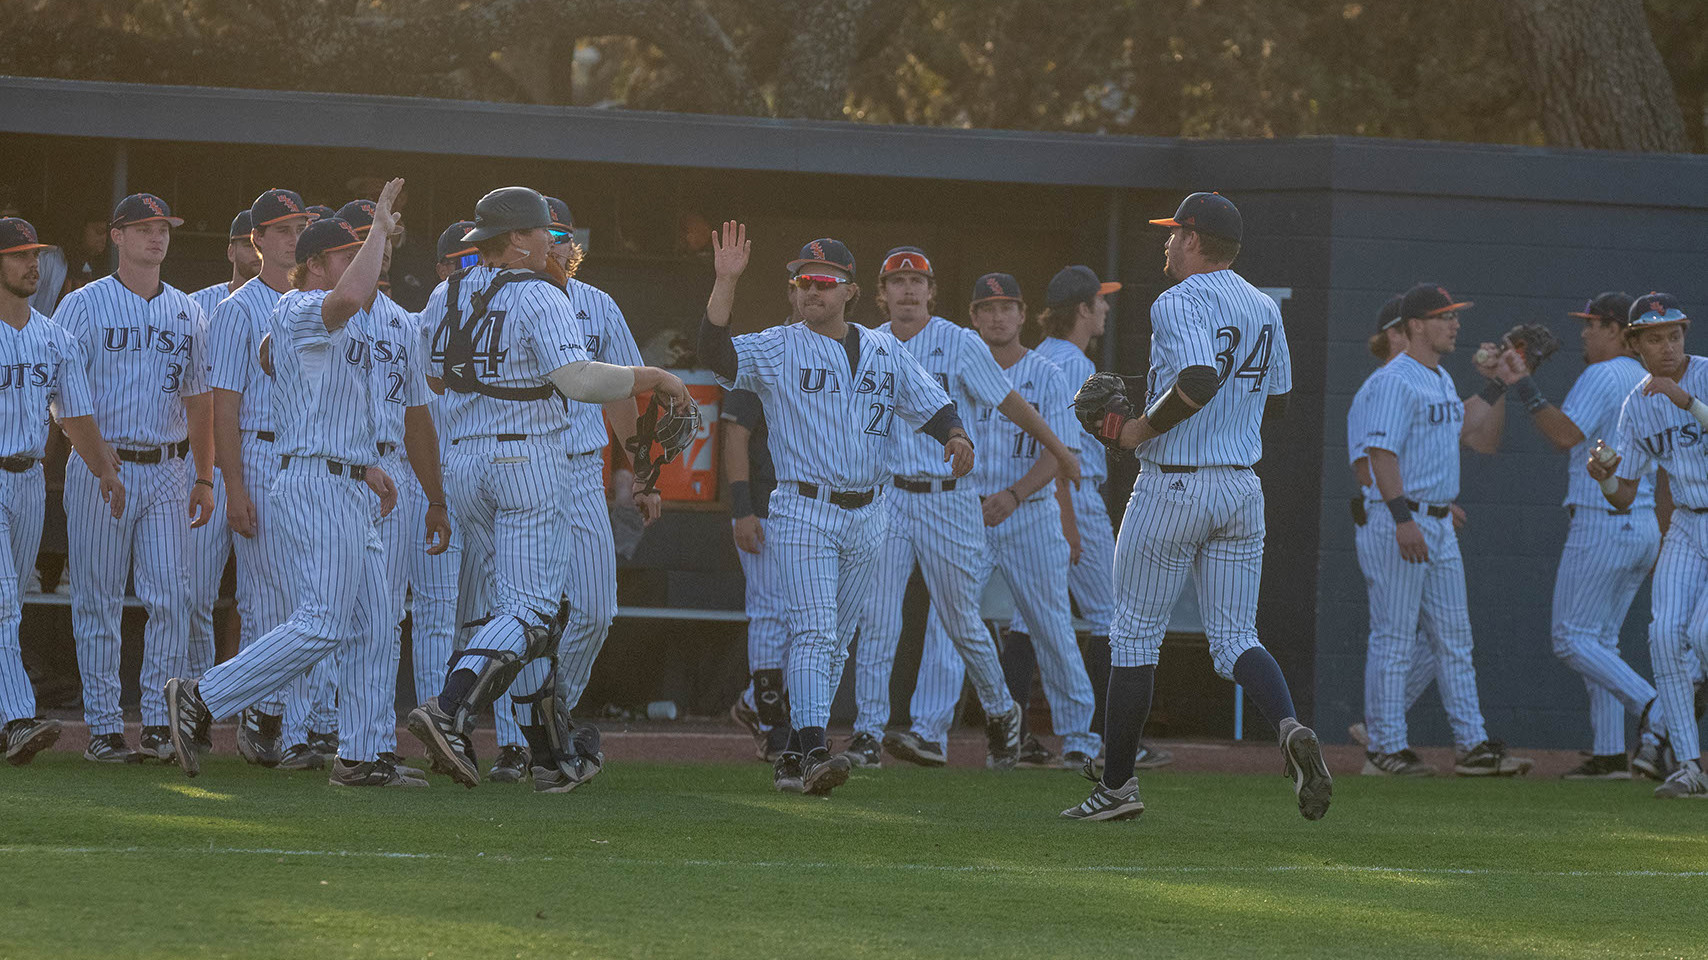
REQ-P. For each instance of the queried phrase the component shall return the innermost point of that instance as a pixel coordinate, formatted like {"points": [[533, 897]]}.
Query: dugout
{"points": [[1333, 226]]}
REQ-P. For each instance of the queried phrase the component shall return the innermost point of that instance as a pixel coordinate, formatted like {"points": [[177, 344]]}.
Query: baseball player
{"points": [[331, 390], [510, 350], [1219, 368], [763, 707], [832, 392], [1024, 513], [1414, 426], [142, 349], [592, 584], [41, 371], [1662, 424], [244, 443], [210, 543], [936, 522]]}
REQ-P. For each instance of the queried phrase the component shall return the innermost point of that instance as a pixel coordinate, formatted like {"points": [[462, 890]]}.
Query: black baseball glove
{"points": [[1533, 340], [1103, 406]]}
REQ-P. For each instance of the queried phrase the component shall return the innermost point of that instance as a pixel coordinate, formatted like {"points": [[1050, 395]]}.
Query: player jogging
{"points": [[763, 707]]}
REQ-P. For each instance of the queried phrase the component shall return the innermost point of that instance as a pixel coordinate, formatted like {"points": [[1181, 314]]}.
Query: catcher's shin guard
{"points": [[769, 699], [501, 667]]}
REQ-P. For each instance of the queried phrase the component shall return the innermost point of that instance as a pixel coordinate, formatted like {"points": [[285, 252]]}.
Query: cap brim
{"points": [[795, 265], [1170, 222], [289, 216], [26, 247], [1108, 287], [1438, 311], [1671, 316], [459, 254], [481, 233], [989, 299], [169, 221]]}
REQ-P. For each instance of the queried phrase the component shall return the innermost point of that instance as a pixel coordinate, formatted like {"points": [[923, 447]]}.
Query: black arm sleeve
{"points": [[717, 350], [1275, 408], [943, 423], [1197, 384]]}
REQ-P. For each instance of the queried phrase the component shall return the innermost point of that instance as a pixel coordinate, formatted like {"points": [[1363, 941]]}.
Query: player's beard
{"points": [[25, 288], [556, 271]]}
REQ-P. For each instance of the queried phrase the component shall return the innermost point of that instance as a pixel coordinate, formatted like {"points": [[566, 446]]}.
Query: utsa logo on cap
{"points": [[18, 236], [1427, 300], [143, 208], [325, 235], [995, 286], [825, 251], [276, 206], [1655, 308]]}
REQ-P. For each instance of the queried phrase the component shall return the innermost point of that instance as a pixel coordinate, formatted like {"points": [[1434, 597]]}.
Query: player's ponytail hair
{"points": [[1058, 321], [1379, 346], [299, 273]]}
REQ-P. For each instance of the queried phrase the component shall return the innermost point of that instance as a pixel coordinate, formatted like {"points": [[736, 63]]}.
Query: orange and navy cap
{"points": [[18, 236], [241, 226], [1209, 213], [276, 206], [1655, 309], [320, 211], [995, 286], [142, 208], [562, 220], [825, 251], [1074, 284], [1613, 306], [1429, 300], [325, 235], [358, 214], [1389, 315], [451, 243], [905, 260]]}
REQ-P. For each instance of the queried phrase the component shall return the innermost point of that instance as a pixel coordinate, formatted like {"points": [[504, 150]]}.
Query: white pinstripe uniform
{"points": [[433, 625], [41, 369], [143, 358], [1607, 556], [266, 575], [1654, 432], [941, 530], [507, 494], [1031, 551], [1415, 413], [328, 398], [767, 637], [210, 543], [592, 582], [830, 430], [1197, 508]]}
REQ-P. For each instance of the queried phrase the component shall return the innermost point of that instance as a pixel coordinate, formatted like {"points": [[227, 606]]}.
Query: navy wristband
{"points": [[1400, 510], [740, 499], [1492, 391], [1526, 392]]}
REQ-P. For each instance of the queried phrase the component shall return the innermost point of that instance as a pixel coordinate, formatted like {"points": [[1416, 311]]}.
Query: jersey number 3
{"points": [[1256, 365]]}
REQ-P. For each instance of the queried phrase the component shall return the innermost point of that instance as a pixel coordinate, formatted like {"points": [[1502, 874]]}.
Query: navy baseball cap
{"points": [[1389, 315], [1655, 309], [142, 208], [1429, 300], [276, 206], [325, 235], [995, 286], [1209, 213], [17, 235], [1076, 283], [451, 243], [1613, 306], [562, 220], [241, 225], [825, 251], [906, 260], [320, 211], [358, 214]]}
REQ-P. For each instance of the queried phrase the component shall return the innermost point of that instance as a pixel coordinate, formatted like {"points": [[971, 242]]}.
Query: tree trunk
{"points": [[1594, 69], [828, 38]]}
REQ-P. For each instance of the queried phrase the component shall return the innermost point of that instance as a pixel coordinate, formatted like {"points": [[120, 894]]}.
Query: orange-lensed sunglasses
{"points": [[817, 281]]}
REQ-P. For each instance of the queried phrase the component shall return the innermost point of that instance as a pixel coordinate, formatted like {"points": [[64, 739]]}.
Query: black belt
{"points": [[1573, 511], [266, 435], [846, 499], [19, 464], [925, 486], [385, 448], [1695, 509], [501, 436], [334, 467], [1436, 512], [1171, 468], [172, 451]]}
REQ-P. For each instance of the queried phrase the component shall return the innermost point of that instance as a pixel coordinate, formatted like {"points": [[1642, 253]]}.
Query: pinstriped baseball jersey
{"points": [[964, 368], [143, 357], [529, 330], [1654, 432], [397, 364], [608, 341], [1077, 368], [1358, 426], [209, 297], [1415, 413], [1220, 321], [1593, 404], [41, 369], [1006, 452], [327, 394], [828, 424], [234, 351]]}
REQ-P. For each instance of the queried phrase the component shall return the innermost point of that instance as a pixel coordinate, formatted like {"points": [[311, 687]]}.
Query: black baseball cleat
{"points": [[864, 751], [156, 743], [510, 766], [301, 756], [1400, 763], [1105, 803], [913, 748], [1002, 739], [402, 768], [259, 740], [823, 771], [776, 741], [1312, 785], [1076, 760], [1034, 754], [110, 748], [786, 773], [1600, 767], [446, 745], [27, 736], [187, 723], [1490, 759], [1654, 759], [325, 744], [1150, 758], [370, 773]]}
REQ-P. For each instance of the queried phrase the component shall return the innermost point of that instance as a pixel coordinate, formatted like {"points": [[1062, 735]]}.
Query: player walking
{"points": [[1662, 424], [141, 347], [510, 350], [763, 707], [41, 372], [831, 392], [1219, 368], [935, 521]]}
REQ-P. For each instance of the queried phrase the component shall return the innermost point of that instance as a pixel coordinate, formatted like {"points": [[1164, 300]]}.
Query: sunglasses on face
{"points": [[468, 260], [818, 281], [562, 236]]}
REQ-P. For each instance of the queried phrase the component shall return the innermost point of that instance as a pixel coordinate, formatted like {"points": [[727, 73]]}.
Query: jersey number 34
{"points": [[1256, 364]]}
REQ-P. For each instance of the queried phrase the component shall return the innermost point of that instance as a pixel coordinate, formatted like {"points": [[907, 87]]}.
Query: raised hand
{"points": [[731, 249]]}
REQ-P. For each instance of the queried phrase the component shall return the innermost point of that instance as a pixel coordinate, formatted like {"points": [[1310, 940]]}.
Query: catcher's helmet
{"points": [[506, 209]]}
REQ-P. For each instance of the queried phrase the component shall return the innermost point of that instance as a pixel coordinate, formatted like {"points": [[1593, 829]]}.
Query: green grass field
{"points": [[659, 860]]}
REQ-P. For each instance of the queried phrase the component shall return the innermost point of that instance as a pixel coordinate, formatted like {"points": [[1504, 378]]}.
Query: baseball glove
{"points": [[1533, 340], [1103, 406], [672, 430]]}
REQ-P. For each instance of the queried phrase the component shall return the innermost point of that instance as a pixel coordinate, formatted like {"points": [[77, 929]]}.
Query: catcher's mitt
{"points": [[1533, 340], [671, 429], [1103, 406]]}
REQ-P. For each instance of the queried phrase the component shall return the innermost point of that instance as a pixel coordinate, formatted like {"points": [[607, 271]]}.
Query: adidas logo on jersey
{"points": [[882, 352], [582, 315], [937, 351], [1177, 485], [183, 316], [1026, 386], [393, 322]]}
